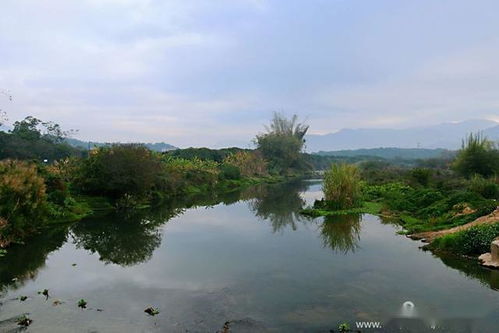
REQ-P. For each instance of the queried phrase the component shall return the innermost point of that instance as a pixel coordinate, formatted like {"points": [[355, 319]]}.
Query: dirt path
{"points": [[429, 236]]}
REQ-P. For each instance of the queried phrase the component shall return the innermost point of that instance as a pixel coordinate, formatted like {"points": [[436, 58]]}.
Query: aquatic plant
{"points": [[342, 186], [151, 311], [82, 304], [44, 292], [24, 321]]}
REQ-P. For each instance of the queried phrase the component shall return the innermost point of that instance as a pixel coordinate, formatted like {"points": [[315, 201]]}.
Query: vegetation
{"points": [[478, 155], [24, 199], [342, 187], [473, 241], [46, 181], [34, 139], [282, 145], [431, 196]]}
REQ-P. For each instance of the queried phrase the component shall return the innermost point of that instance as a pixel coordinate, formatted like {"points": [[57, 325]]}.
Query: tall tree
{"points": [[282, 143]]}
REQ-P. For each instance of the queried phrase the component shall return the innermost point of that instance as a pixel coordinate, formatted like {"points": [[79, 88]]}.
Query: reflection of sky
{"points": [[280, 278]]}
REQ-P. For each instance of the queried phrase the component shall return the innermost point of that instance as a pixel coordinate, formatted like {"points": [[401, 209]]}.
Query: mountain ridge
{"points": [[445, 135]]}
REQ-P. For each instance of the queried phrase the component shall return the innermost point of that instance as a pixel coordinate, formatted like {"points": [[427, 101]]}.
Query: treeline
{"points": [[43, 180]]}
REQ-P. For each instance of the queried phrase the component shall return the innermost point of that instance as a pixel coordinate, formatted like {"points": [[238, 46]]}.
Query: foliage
{"points": [[183, 175], [250, 163], [478, 155], [486, 187], [282, 144], [472, 241], [229, 171], [23, 199], [342, 186], [205, 154], [120, 170], [33, 138], [33, 129], [421, 176]]}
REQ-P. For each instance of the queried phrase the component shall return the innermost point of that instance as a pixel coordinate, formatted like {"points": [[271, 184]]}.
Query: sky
{"points": [[212, 72]]}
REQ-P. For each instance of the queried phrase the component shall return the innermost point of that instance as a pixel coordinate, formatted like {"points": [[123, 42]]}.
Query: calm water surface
{"points": [[247, 257]]}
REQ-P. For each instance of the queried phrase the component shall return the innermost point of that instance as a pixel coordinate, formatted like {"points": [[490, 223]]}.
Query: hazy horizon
{"points": [[195, 73]]}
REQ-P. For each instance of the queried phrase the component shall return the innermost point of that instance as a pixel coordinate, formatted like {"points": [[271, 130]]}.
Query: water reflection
{"points": [[124, 239], [471, 268], [22, 262], [268, 204], [341, 233]]}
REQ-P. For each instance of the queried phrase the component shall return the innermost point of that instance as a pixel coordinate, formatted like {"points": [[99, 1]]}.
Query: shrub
{"points": [[229, 171], [22, 197], [477, 156], [120, 170], [472, 241], [487, 188], [342, 186], [250, 164], [421, 176]]}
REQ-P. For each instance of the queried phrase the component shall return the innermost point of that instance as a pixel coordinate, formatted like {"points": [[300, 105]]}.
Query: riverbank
{"points": [[460, 222], [90, 206]]}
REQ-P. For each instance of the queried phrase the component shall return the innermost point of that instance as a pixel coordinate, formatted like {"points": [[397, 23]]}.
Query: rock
{"points": [[491, 259]]}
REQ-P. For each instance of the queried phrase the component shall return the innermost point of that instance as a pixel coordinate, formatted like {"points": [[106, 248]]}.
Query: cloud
{"points": [[198, 72]]}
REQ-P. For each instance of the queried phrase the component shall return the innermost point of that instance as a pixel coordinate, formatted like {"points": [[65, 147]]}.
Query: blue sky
{"points": [[210, 73]]}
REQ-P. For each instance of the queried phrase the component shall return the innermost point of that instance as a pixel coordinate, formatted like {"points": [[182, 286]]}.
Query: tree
{"points": [[282, 144], [120, 170], [32, 129], [478, 155]]}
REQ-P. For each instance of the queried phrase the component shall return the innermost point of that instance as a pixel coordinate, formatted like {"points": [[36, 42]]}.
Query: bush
{"points": [[472, 241], [120, 170], [486, 188], [22, 197], [342, 186], [477, 156], [230, 172], [250, 164], [421, 176]]}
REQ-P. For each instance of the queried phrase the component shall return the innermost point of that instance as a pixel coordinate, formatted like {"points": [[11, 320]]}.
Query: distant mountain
{"points": [[445, 135], [391, 153], [157, 146]]}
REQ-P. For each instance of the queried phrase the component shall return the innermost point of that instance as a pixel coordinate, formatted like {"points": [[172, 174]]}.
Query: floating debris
{"points": [[23, 298], [82, 304], [57, 302], [151, 311], [100, 310], [44, 292], [24, 321], [73, 265], [226, 328]]}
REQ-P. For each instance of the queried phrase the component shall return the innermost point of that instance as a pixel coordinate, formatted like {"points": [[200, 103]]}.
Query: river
{"points": [[248, 258]]}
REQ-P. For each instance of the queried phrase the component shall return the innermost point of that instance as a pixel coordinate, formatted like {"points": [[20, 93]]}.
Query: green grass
{"points": [[373, 208]]}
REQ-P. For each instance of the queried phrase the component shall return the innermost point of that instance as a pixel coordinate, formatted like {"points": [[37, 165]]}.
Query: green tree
{"points": [[120, 170], [478, 155], [283, 143]]}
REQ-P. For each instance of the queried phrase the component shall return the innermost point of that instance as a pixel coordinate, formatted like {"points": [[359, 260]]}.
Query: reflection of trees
{"points": [[23, 262], [123, 239], [280, 204], [471, 268], [341, 232]]}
